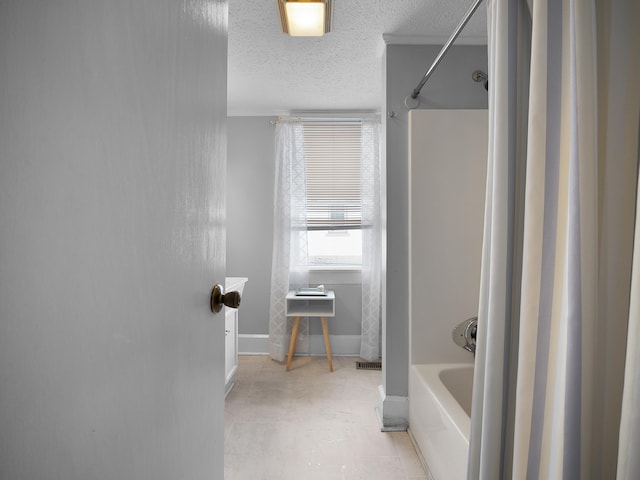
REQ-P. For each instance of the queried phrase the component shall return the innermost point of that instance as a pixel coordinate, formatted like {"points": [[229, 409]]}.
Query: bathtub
{"points": [[439, 417]]}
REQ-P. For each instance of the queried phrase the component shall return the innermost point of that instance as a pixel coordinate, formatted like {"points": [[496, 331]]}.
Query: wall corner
{"points": [[392, 411]]}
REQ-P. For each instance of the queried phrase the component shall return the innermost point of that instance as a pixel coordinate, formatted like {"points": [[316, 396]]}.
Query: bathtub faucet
{"points": [[464, 335]]}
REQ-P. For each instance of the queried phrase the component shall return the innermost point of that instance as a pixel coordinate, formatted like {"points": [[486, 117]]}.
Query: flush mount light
{"points": [[305, 18]]}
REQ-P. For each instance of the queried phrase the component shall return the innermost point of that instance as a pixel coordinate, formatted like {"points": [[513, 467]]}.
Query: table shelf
{"points": [[311, 306]]}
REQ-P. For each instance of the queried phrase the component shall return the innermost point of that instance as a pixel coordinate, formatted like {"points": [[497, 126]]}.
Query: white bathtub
{"points": [[439, 417]]}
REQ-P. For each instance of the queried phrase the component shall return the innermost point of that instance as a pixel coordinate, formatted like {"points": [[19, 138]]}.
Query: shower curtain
{"points": [[556, 297], [289, 268]]}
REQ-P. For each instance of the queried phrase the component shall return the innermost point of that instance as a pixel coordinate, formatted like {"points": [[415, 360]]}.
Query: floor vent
{"points": [[369, 365]]}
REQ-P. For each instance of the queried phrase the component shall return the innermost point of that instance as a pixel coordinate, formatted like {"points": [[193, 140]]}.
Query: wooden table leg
{"points": [[292, 343], [327, 345]]}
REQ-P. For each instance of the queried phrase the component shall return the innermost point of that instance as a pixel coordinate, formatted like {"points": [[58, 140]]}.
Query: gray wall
{"points": [[449, 87], [250, 181], [250, 177]]}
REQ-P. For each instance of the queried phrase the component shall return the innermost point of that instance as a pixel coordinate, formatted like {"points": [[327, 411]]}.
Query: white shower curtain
{"points": [[564, 110], [289, 269], [371, 186]]}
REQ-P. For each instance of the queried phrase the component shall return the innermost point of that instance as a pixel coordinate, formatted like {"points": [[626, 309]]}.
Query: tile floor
{"points": [[309, 424]]}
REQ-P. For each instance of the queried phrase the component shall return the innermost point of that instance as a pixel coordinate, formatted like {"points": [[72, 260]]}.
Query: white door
{"points": [[112, 161]]}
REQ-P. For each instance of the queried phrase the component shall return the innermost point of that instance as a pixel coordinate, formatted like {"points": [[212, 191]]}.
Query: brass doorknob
{"points": [[220, 299]]}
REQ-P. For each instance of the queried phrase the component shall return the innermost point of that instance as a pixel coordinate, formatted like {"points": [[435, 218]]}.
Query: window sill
{"points": [[335, 268], [335, 275]]}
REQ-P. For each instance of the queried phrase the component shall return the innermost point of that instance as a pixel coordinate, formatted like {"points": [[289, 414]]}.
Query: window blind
{"points": [[332, 161]]}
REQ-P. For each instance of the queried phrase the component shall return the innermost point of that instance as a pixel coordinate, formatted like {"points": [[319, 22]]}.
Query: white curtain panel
{"points": [[564, 109], [289, 269], [371, 239]]}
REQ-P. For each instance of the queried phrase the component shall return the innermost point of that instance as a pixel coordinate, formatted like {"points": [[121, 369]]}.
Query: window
{"points": [[332, 151]]}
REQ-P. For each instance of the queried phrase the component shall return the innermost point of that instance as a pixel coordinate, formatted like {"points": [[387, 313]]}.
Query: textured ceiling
{"points": [[272, 73]]}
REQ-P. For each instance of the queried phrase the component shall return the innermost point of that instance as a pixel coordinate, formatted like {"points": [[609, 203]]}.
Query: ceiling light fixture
{"points": [[305, 18]]}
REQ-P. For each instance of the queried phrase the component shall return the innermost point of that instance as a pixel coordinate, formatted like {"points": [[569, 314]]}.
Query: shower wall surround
{"points": [[447, 188]]}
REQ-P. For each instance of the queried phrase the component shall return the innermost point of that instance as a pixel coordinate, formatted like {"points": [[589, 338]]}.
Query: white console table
{"points": [[322, 306]]}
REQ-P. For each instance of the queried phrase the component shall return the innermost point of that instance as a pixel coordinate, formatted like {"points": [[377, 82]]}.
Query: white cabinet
{"points": [[231, 333], [230, 347]]}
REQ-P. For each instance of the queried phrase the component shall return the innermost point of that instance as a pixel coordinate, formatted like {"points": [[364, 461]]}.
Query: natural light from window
{"points": [[335, 248]]}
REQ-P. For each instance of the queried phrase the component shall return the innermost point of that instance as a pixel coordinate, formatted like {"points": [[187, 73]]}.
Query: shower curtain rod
{"points": [[445, 48]]}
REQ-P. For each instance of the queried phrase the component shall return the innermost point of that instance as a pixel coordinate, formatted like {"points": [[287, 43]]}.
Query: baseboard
{"points": [[253, 344], [393, 412], [341, 345]]}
